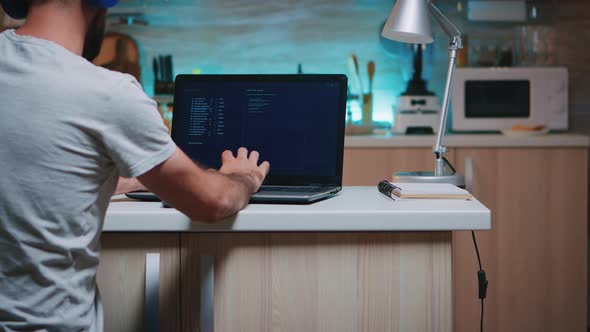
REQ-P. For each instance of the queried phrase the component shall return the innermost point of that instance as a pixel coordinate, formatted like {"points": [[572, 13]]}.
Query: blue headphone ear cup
{"points": [[102, 3], [16, 9]]}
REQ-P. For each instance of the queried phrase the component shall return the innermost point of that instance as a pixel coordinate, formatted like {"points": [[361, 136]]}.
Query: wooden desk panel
{"points": [[322, 281]]}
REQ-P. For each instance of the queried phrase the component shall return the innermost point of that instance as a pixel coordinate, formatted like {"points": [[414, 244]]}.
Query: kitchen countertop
{"points": [[353, 209], [467, 141]]}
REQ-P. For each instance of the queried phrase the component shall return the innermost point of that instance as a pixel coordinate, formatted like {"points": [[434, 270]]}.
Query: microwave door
{"points": [[498, 99]]}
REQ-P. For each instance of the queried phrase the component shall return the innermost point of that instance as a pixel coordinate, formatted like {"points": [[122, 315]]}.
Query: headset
{"points": [[18, 9]]}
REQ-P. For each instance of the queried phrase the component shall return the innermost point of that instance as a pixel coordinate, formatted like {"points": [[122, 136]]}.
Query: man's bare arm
{"points": [[206, 195]]}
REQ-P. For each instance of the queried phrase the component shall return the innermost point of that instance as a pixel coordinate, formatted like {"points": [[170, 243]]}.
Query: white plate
{"points": [[525, 133]]}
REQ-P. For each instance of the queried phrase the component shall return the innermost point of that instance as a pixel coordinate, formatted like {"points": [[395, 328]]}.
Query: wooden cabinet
{"points": [[321, 281], [535, 255], [122, 281], [368, 166]]}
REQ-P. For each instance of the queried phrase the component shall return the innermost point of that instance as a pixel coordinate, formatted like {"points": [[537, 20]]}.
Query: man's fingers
{"points": [[254, 156], [243, 153], [265, 167], [226, 155]]}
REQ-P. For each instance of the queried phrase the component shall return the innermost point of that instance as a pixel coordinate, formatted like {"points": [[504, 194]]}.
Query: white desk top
{"points": [[468, 141], [353, 209]]}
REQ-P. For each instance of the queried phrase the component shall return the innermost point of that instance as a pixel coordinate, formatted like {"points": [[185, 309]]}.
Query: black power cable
{"points": [[449, 165], [482, 282]]}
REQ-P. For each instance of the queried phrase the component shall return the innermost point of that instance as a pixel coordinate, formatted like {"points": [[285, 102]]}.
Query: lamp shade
{"points": [[409, 22]]}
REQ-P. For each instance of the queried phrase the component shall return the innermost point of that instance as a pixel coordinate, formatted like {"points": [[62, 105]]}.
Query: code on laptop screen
{"points": [[293, 125]]}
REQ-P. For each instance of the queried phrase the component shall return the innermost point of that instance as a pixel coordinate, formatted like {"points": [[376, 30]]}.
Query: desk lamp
{"points": [[409, 23]]}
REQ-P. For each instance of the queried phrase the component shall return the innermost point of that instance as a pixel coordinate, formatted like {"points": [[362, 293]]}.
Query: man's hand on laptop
{"points": [[207, 195], [245, 167]]}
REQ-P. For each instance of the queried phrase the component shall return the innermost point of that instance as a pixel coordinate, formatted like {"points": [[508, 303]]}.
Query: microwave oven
{"points": [[493, 99]]}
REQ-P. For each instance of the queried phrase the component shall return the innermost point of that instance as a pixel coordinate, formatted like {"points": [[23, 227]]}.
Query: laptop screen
{"points": [[295, 122]]}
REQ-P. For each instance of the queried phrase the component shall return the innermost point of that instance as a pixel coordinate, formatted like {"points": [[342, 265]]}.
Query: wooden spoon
{"points": [[371, 70]]}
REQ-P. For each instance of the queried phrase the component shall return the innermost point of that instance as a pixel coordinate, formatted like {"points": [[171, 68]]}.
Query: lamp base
{"points": [[429, 177]]}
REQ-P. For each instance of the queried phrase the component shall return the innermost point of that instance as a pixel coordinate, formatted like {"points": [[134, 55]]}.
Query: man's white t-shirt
{"points": [[68, 130]]}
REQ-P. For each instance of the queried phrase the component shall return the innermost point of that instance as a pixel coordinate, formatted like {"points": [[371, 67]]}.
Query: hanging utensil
{"points": [[371, 71]]}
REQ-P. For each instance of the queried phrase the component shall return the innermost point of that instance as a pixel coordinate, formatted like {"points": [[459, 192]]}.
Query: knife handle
{"points": [[171, 68], [162, 61], [156, 70]]}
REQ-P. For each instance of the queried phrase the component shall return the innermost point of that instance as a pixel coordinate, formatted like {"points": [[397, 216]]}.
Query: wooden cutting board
{"points": [[120, 53]]}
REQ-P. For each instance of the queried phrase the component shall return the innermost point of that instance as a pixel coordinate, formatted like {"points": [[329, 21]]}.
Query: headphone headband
{"points": [[18, 9]]}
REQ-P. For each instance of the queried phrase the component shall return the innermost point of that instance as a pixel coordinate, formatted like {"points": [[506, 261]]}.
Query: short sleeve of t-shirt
{"points": [[135, 137]]}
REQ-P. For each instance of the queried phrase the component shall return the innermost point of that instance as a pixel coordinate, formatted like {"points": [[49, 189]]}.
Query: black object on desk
{"points": [[143, 196], [386, 188]]}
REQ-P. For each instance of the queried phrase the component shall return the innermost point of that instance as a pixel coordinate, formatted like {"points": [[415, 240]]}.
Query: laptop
{"points": [[296, 122]]}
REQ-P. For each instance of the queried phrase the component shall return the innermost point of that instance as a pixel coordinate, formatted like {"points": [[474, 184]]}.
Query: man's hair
{"points": [[39, 2], [43, 1]]}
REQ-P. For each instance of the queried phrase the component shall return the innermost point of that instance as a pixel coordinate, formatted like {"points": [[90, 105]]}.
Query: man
{"points": [[68, 131]]}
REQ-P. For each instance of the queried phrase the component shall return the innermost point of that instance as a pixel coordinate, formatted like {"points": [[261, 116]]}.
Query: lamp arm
{"points": [[446, 25], [455, 44]]}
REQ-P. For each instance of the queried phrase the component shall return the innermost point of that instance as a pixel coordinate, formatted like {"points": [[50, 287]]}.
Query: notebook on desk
{"points": [[296, 122], [398, 190]]}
